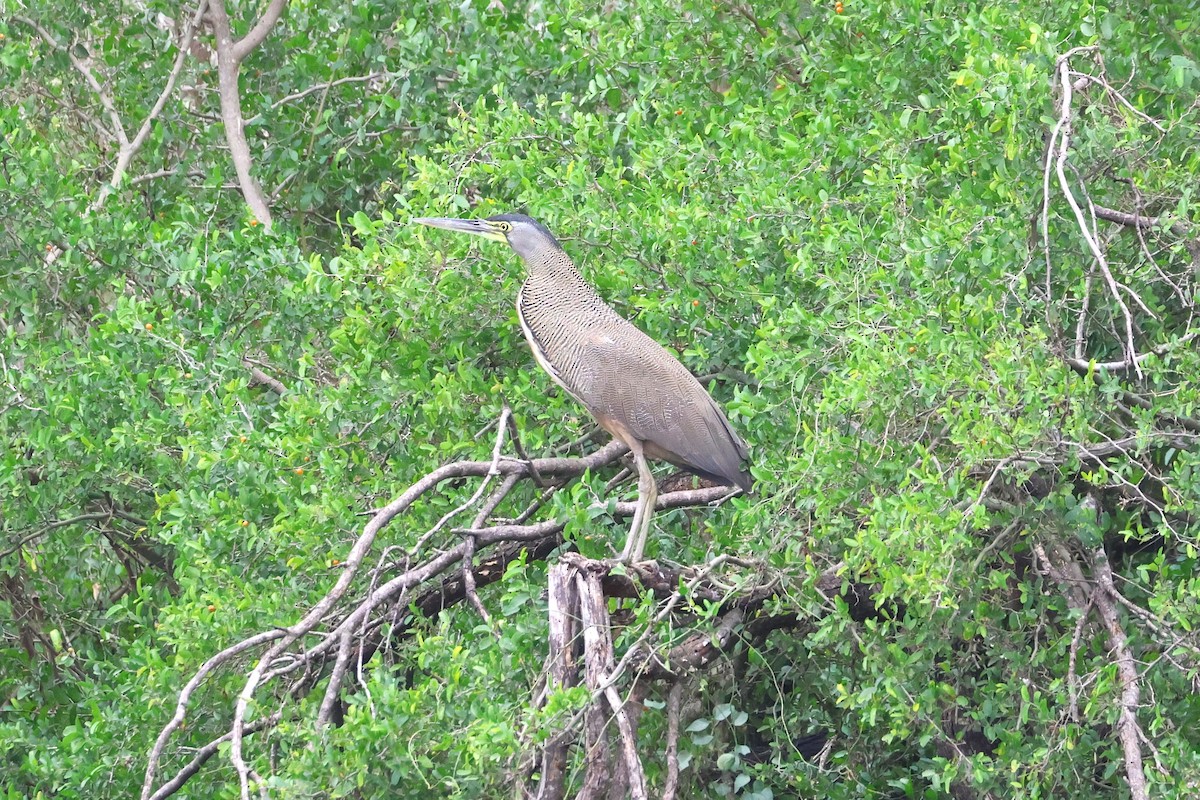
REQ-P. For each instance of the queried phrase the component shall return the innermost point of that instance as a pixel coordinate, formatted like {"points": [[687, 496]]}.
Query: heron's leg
{"points": [[639, 530]]}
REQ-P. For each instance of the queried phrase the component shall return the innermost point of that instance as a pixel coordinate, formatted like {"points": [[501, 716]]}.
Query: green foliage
{"points": [[832, 210]]}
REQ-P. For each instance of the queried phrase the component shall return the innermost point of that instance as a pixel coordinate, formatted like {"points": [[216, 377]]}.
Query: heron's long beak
{"points": [[479, 227]]}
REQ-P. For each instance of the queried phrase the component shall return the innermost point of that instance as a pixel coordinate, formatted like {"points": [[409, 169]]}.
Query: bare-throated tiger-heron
{"points": [[630, 384]]}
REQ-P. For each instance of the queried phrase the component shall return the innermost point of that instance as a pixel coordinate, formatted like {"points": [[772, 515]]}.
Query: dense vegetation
{"points": [[939, 261]]}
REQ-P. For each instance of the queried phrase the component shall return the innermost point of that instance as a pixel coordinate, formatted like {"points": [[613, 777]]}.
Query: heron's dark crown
{"points": [[521, 218]]}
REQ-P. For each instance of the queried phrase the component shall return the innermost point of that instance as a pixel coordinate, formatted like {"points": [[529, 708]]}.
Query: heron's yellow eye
{"points": [[505, 227]]}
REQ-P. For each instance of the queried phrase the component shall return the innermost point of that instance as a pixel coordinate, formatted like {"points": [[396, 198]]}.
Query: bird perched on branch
{"points": [[628, 382]]}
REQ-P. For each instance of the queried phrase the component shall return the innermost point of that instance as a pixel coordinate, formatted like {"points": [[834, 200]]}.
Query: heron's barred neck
{"points": [[555, 264]]}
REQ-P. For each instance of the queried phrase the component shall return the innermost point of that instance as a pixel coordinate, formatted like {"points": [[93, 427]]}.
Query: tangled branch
{"points": [[1098, 593], [348, 627]]}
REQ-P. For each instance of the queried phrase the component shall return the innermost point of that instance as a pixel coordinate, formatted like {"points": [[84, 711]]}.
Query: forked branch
{"points": [[230, 55], [127, 147]]}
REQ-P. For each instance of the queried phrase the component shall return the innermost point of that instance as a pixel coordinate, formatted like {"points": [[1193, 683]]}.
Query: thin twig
{"points": [[997, 471], [516, 439], [51, 526], [320, 87]]}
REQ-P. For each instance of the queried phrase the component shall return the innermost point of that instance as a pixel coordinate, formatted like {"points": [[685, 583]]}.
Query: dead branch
{"points": [[84, 68], [1083, 369], [1142, 222], [697, 651], [1082, 596], [600, 673], [355, 634], [588, 584], [360, 617], [354, 621], [562, 673], [1047, 160], [1067, 82], [206, 752], [186, 694], [1171, 638], [320, 87], [51, 526], [1059, 150], [1072, 673], [1080, 365], [597, 775], [147, 177], [1128, 730]]}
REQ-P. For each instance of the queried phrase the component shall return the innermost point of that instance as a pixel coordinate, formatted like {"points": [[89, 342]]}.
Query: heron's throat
{"points": [[552, 264]]}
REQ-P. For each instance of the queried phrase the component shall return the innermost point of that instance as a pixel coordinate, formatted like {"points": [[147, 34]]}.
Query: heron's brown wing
{"points": [[619, 373]]}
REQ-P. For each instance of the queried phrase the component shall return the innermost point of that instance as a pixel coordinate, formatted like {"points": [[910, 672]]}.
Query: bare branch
{"points": [[146, 177], [62, 523], [205, 753], [1188, 423], [127, 147], [365, 623], [987, 487], [699, 650], [1063, 133], [130, 148], [1169, 637], [1072, 674], [684, 499], [185, 697], [1190, 241], [1051, 145], [1082, 365], [1100, 593], [1120, 98], [1136, 220], [260, 378], [336, 677]]}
